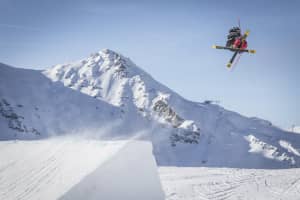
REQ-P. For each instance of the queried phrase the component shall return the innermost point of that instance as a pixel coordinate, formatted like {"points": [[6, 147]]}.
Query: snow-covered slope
{"points": [[32, 106], [183, 133]]}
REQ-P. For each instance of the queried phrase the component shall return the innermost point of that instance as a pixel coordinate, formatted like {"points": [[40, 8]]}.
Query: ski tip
{"points": [[247, 32], [214, 46], [252, 51], [228, 65]]}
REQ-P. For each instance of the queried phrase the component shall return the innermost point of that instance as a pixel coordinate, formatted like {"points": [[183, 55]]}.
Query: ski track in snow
{"points": [[225, 183], [47, 169]]}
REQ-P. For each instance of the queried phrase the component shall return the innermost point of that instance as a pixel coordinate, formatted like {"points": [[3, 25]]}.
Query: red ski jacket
{"points": [[238, 42]]}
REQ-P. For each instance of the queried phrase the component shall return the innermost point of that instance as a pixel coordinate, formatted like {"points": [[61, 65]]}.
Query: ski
{"points": [[234, 49], [232, 59]]}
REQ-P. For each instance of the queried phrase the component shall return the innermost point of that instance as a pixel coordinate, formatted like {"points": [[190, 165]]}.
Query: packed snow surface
{"points": [[201, 183], [76, 168]]}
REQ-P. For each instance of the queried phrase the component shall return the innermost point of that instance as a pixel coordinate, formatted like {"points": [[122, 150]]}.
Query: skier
{"points": [[235, 39], [236, 42]]}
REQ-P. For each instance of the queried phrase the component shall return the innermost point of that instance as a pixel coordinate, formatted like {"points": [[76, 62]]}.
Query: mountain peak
{"points": [[114, 56], [108, 59], [108, 52], [104, 54]]}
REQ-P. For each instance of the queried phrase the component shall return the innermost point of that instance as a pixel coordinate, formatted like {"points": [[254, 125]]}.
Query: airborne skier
{"points": [[236, 42]]}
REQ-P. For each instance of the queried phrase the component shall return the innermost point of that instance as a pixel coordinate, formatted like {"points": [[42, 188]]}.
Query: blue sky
{"points": [[172, 41]]}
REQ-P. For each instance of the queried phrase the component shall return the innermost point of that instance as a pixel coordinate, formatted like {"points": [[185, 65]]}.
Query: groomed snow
{"points": [[77, 169], [200, 183]]}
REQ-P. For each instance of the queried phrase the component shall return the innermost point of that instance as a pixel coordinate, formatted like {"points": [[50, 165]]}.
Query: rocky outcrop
{"points": [[15, 121]]}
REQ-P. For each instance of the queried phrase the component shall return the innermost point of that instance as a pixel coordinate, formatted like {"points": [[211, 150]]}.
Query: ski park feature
{"points": [[64, 128], [78, 168]]}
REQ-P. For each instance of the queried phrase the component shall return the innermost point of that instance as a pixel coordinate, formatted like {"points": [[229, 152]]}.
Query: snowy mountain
{"points": [[112, 78], [107, 91]]}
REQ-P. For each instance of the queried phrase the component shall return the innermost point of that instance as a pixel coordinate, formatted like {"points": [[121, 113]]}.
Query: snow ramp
{"points": [[63, 168]]}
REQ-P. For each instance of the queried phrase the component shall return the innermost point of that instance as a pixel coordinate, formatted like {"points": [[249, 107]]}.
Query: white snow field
{"points": [[65, 168], [201, 183]]}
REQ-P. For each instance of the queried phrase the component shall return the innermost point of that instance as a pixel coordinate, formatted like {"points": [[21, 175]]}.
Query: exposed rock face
{"points": [[185, 131], [15, 121]]}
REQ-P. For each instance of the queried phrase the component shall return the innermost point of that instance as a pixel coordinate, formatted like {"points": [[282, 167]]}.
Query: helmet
{"points": [[235, 29]]}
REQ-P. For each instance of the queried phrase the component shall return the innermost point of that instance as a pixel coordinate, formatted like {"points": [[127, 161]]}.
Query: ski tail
{"points": [[232, 59], [236, 61]]}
